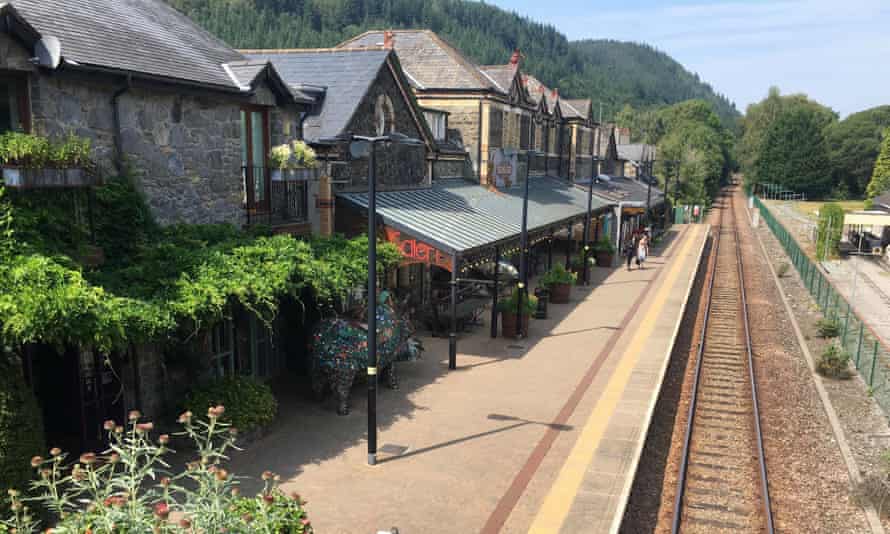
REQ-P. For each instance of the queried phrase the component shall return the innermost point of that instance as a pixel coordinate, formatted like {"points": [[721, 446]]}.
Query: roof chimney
{"points": [[514, 59], [389, 38]]}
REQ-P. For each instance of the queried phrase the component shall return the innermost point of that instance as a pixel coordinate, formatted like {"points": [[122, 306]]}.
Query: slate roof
{"points": [[141, 36], [576, 108], [428, 60], [636, 152], [346, 76], [458, 217], [536, 89], [502, 75]]}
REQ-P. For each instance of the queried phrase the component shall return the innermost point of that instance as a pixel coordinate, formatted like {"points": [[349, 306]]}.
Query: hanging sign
{"points": [[416, 251], [504, 166]]}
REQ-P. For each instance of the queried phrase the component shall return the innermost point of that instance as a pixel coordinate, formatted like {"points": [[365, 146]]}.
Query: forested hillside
{"points": [[609, 72]]}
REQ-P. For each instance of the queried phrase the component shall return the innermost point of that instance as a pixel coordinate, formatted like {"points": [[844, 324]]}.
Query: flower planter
{"points": [[559, 293], [510, 324], [47, 177], [604, 259]]}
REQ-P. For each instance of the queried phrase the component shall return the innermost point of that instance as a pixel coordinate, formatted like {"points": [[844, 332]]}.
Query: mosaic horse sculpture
{"points": [[339, 350]]}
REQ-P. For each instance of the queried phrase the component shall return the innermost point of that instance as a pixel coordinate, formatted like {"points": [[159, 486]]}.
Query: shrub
{"points": [[558, 275], [249, 403], [604, 245], [782, 271], [21, 425], [834, 362], [511, 305], [829, 230], [828, 327], [129, 487], [875, 486]]}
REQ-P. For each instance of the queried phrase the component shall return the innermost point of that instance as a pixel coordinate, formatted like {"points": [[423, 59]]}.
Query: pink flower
{"points": [[36, 461], [162, 510], [134, 415], [184, 417]]}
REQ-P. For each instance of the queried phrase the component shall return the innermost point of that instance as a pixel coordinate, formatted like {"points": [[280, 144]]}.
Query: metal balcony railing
{"points": [[276, 197]]}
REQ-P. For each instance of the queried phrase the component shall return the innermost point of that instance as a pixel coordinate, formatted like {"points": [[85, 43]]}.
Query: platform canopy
{"points": [[461, 218], [867, 218]]}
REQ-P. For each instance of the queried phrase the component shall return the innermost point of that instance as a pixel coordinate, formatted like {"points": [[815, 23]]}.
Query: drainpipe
{"points": [[303, 116], [116, 118]]}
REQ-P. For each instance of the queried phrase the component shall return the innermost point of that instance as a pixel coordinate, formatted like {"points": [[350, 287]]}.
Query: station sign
{"points": [[416, 251]]}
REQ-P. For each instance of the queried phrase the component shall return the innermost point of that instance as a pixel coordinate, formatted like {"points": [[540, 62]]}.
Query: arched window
{"points": [[384, 116]]}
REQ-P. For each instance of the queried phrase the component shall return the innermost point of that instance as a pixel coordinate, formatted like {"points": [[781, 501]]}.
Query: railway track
{"points": [[722, 484]]}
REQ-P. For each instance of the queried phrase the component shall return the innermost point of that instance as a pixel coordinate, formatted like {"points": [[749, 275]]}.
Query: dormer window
{"points": [[438, 123], [384, 116]]}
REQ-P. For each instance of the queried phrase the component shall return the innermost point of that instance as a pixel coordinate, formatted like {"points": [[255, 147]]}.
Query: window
{"points": [[222, 352], [14, 109], [438, 123], [254, 148], [384, 116]]}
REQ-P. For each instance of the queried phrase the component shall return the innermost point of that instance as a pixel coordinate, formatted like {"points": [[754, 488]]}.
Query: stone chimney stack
{"points": [[325, 206], [389, 38], [516, 57]]}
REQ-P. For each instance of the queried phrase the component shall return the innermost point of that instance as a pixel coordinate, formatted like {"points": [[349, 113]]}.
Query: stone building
{"points": [[487, 108], [193, 121]]}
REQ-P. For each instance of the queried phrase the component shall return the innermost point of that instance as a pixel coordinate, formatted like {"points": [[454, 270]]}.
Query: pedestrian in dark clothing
{"points": [[630, 251]]}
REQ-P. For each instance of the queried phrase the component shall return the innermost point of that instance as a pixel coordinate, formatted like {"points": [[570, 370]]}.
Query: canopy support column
{"points": [[569, 246], [550, 251], [452, 336], [494, 295]]}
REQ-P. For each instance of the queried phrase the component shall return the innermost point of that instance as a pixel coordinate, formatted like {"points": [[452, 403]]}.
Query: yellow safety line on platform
{"points": [[558, 502]]}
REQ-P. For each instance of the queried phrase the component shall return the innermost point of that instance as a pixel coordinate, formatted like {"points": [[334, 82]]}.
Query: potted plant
{"points": [[604, 252], [279, 158], [304, 157], [511, 310], [31, 160], [559, 283]]}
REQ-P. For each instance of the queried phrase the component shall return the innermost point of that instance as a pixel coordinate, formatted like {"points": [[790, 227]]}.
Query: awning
{"points": [[867, 218], [459, 217], [629, 192]]}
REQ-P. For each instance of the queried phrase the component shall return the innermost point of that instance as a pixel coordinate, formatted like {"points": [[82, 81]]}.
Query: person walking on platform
{"points": [[642, 249], [630, 249]]}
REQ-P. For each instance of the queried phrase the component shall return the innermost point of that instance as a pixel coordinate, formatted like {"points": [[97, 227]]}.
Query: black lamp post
{"points": [[364, 146], [587, 223], [523, 246]]}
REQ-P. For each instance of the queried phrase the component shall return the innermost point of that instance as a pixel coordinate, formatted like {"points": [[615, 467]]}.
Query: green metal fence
{"points": [[870, 355]]}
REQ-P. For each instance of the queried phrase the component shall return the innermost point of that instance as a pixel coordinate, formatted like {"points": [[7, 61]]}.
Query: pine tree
{"points": [[880, 177], [793, 152]]}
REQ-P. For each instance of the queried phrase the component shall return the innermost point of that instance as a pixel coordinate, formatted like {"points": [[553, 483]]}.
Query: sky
{"points": [[835, 51]]}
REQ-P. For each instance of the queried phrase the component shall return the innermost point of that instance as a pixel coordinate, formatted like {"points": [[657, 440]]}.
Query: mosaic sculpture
{"points": [[339, 349]]}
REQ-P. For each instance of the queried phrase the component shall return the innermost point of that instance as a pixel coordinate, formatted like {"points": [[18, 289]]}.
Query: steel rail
{"points": [[676, 520], [761, 454]]}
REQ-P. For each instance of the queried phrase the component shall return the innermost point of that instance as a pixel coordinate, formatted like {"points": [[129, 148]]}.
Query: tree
{"points": [[880, 178], [760, 116], [853, 146], [793, 152], [21, 424]]}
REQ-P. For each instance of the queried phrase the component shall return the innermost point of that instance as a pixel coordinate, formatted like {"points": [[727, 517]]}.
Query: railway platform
{"points": [[538, 435]]}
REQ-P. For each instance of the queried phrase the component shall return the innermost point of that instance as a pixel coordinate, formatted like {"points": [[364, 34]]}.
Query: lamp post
{"points": [[523, 247], [364, 146], [587, 226]]}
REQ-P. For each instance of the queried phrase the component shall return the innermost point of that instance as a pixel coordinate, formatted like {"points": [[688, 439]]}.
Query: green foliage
{"points": [[830, 228], [834, 362], [512, 304], [157, 278], [613, 73], [828, 327], [853, 147], [692, 134], [558, 275], [33, 151], [880, 178], [604, 245], [131, 488], [758, 120], [21, 425], [249, 403], [793, 152]]}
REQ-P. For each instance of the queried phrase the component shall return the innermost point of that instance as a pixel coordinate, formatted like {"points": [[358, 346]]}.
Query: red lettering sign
{"points": [[416, 251]]}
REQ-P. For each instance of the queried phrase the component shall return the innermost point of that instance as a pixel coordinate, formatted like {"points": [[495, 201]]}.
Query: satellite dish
{"points": [[49, 52]]}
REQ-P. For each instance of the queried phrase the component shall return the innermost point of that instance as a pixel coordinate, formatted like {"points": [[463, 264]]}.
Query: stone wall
{"points": [[496, 128], [183, 148], [450, 168], [398, 167]]}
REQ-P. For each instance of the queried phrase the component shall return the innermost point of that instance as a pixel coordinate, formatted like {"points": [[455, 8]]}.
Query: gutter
{"points": [[116, 118]]}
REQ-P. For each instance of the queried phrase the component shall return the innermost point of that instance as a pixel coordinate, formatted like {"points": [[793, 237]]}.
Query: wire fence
{"points": [[867, 351]]}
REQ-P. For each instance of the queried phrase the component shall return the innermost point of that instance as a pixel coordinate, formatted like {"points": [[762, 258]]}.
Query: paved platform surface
{"points": [[539, 435]]}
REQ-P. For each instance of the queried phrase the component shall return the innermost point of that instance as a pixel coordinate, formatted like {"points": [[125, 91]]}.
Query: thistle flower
{"points": [[36, 461], [109, 425], [267, 475], [134, 415], [144, 427], [164, 439], [184, 417], [55, 451], [88, 458], [162, 510]]}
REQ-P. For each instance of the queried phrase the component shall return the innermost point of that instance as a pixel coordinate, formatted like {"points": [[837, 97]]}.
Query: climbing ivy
{"points": [[155, 280]]}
